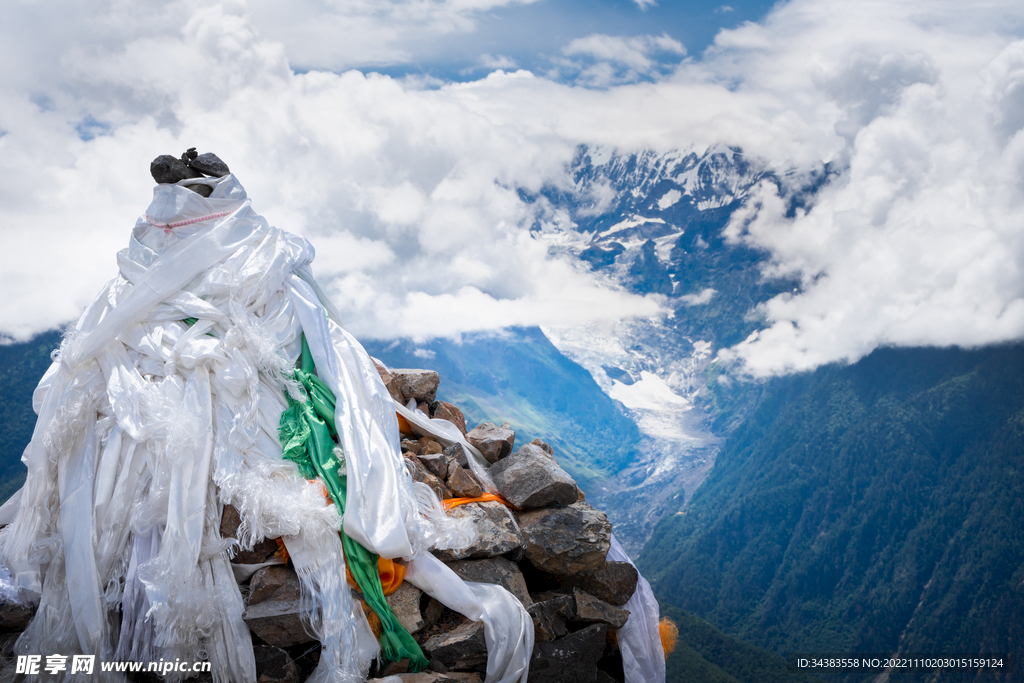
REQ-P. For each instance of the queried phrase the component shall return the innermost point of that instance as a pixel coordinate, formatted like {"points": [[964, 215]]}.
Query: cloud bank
{"points": [[408, 187]]}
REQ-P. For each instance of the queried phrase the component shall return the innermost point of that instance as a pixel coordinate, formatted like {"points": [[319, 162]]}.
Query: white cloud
{"points": [[644, 4], [494, 62], [408, 188], [619, 59]]}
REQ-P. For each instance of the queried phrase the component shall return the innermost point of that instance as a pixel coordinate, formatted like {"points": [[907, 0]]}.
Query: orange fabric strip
{"points": [[449, 503], [391, 575]]}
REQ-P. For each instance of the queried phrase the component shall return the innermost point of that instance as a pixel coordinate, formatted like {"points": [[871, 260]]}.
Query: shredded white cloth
{"points": [[148, 426], [643, 659]]}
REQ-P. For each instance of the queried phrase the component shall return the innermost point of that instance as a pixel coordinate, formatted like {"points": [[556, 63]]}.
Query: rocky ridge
{"points": [[548, 548]]}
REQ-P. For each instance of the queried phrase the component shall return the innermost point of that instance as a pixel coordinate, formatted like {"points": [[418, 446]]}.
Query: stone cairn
{"points": [[550, 553]]}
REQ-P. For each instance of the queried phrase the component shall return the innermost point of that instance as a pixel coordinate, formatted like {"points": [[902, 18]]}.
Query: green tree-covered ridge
{"points": [[870, 508]]}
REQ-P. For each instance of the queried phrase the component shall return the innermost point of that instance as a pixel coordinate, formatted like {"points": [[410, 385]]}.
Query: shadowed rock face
{"points": [[531, 478], [566, 541]]}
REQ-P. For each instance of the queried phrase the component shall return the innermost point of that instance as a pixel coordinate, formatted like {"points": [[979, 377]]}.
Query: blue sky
{"points": [[534, 35]]}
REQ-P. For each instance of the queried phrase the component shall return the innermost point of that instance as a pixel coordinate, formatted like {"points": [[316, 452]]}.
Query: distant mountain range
{"points": [[875, 507]]}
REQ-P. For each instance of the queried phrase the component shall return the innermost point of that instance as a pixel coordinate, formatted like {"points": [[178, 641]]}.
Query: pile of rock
{"points": [[549, 552]]}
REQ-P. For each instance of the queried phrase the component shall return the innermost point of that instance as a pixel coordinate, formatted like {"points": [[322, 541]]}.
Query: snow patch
{"points": [[669, 198], [699, 299], [650, 392]]}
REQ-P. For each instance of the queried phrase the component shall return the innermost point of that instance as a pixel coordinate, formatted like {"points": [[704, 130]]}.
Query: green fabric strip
{"points": [[307, 436]]}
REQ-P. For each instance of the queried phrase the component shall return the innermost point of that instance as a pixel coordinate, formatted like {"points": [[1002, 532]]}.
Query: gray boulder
{"points": [[277, 622], [591, 610], [495, 570], [418, 384], [614, 582], [493, 441], [497, 532], [530, 478], [566, 541]]}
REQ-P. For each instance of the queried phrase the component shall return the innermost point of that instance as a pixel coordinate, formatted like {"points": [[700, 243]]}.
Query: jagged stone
{"points": [[429, 446], [446, 411], [410, 446], [496, 570], [530, 478], [418, 384], [549, 617], [460, 648], [571, 659], [589, 609], [497, 532], [462, 482], [614, 582], [277, 622], [279, 582], [543, 445], [273, 665], [389, 381], [210, 164], [566, 541], [493, 441], [420, 473], [457, 453], [229, 523], [436, 464], [405, 603], [167, 169]]}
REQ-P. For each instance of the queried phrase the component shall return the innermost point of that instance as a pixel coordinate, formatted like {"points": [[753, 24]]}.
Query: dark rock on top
{"points": [[566, 541], [493, 441], [167, 169], [209, 164], [530, 478]]}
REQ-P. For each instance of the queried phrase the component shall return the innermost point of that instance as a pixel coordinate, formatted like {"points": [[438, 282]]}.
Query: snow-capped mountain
{"points": [[653, 223]]}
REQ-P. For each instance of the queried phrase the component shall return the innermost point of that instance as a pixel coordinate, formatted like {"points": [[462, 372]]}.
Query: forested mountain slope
{"points": [[876, 507]]}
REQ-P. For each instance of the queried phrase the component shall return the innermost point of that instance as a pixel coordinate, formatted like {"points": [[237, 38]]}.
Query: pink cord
{"points": [[177, 224]]}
